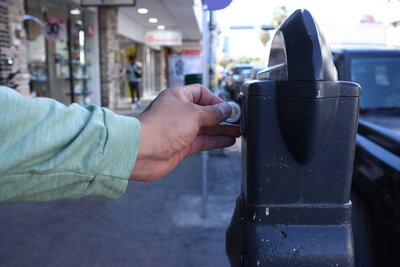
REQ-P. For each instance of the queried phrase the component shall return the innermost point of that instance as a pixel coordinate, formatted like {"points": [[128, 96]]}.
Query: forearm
{"points": [[50, 151]]}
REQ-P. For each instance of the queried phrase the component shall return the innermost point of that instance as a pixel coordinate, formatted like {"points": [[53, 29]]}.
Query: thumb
{"points": [[214, 114]]}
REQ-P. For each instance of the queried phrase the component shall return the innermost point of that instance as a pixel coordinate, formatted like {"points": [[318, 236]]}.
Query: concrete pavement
{"points": [[125, 107], [152, 224]]}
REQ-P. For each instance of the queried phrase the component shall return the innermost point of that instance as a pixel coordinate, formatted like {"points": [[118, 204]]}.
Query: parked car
{"points": [[375, 190], [255, 70], [235, 78]]}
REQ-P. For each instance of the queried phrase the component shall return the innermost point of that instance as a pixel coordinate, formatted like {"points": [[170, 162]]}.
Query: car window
{"points": [[239, 70], [236, 71], [379, 79], [246, 73]]}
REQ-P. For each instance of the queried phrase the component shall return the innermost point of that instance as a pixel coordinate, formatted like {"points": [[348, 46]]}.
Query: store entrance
{"points": [[58, 59]]}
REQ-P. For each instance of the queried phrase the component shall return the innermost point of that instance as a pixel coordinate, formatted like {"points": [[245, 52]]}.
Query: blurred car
{"points": [[375, 191], [245, 75], [236, 77], [255, 70]]}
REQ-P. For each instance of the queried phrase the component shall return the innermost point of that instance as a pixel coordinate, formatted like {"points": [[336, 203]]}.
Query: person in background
{"points": [[134, 75]]}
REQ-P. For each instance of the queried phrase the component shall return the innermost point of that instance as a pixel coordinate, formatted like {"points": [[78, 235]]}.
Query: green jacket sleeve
{"points": [[52, 151]]}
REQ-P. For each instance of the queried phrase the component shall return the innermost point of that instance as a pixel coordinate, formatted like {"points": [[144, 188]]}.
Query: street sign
{"points": [[54, 28], [108, 2], [216, 4]]}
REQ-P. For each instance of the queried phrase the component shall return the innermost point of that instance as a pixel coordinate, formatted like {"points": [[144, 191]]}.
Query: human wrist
{"points": [[146, 148]]}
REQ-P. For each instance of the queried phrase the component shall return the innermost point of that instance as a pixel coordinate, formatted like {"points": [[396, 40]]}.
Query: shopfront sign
{"points": [[165, 38], [191, 52], [54, 28]]}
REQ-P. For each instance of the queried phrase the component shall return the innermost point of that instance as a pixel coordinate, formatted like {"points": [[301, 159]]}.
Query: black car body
{"points": [[255, 70], [234, 79], [376, 180]]}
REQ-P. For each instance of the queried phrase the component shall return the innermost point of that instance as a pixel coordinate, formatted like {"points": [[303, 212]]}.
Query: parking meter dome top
{"points": [[299, 52]]}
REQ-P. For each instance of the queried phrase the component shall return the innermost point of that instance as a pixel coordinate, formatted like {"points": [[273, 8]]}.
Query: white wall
{"points": [[198, 12], [363, 33], [129, 28], [94, 70], [394, 36]]}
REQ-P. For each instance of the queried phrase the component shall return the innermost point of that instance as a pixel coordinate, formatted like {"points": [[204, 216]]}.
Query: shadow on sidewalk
{"points": [[152, 224], [125, 107]]}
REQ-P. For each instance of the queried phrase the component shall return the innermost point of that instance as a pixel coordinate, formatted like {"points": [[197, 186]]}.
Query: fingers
{"points": [[207, 97], [209, 109], [199, 94], [225, 130], [204, 142], [213, 115]]}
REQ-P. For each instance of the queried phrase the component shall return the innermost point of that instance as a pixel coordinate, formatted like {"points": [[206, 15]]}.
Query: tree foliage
{"points": [[264, 37], [279, 15]]}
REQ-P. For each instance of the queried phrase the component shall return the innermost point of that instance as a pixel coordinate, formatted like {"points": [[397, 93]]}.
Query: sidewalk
{"points": [[125, 106], [152, 224]]}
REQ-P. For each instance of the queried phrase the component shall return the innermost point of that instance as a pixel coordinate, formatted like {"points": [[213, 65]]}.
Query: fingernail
{"points": [[225, 109]]}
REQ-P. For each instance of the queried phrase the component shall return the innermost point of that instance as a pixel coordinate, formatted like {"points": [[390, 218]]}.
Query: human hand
{"points": [[181, 121]]}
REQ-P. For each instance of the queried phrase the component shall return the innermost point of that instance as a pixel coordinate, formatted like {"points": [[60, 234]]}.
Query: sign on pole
{"points": [[53, 28], [108, 2], [216, 4]]}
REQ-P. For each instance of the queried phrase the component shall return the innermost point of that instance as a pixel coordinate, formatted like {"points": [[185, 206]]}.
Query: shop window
{"points": [[59, 60]]}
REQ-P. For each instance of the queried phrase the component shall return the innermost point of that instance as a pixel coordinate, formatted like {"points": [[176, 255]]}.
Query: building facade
{"points": [[73, 53]]}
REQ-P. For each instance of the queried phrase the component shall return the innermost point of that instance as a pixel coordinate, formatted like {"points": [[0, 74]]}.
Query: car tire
{"points": [[363, 231]]}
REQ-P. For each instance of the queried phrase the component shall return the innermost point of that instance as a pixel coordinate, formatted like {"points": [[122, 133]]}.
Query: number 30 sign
{"points": [[53, 28]]}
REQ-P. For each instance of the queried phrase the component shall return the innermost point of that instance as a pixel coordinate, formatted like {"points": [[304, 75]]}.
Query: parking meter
{"points": [[298, 128]]}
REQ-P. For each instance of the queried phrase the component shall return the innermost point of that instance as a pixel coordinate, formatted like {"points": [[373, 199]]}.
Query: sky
{"points": [[258, 12]]}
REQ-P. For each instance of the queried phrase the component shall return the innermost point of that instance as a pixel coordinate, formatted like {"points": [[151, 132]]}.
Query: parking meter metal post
{"points": [[298, 141]]}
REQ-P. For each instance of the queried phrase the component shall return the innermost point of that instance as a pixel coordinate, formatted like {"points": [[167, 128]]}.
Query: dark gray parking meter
{"points": [[298, 140]]}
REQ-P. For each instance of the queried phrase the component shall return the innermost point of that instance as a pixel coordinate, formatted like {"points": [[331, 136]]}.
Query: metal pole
{"points": [[206, 48], [204, 195], [204, 155], [71, 70]]}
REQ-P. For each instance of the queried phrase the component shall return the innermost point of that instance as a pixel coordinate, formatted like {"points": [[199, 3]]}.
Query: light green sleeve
{"points": [[52, 151]]}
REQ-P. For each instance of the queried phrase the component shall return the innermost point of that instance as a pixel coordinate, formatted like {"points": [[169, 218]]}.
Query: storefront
{"points": [[151, 60], [154, 76], [62, 51], [128, 48], [132, 42]]}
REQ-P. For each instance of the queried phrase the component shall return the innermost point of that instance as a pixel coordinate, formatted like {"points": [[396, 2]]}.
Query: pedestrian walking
{"points": [[134, 76]]}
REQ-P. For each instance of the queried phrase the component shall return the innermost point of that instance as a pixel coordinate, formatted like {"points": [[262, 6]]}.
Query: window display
{"points": [[59, 59]]}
